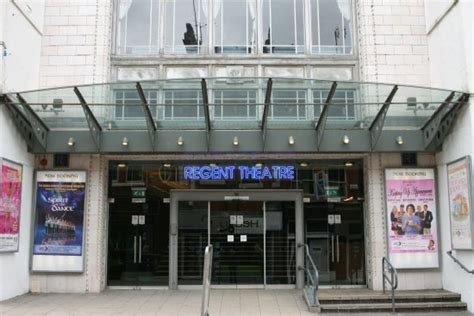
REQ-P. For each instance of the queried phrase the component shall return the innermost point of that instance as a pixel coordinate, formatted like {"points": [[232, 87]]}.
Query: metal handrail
{"points": [[312, 276], [393, 280], [450, 253], [206, 280]]}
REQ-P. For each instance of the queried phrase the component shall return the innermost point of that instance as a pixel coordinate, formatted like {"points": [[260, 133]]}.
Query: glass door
{"points": [[237, 235]]}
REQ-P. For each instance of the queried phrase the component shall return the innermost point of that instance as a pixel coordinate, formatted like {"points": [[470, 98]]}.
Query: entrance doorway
{"points": [[253, 233]]}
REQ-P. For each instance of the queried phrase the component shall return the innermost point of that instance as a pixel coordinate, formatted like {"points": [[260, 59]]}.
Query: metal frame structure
{"points": [[32, 121], [150, 122]]}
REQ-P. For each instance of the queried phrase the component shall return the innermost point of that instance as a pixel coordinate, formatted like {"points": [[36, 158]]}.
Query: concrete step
{"points": [[402, 297], [399, 307]]}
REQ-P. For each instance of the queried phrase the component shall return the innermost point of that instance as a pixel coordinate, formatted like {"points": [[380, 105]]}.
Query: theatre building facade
{"points": [[286, 134]]}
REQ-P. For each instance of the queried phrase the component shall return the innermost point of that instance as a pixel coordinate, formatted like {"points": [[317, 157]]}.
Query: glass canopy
{"points": [[234, 115], [234, 104]]}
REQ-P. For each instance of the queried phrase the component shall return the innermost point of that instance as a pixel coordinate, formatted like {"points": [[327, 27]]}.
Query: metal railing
{"points": [[206, 281], [392, 280], [450, 253], [312, 277]]}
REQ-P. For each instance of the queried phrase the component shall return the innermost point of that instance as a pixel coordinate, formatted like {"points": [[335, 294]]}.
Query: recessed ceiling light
{"points": [[349, 164], [291, 140], [258, 165], [236, 141], [71, 142], [400, 140], [167, 165], [180, 141], [212, 164], [121, 165], [346, 140], [303, 164], [125, 142]]}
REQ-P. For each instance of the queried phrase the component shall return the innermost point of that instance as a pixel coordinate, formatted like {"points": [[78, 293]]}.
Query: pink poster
{"points": [[10, 205], [411, 217]]}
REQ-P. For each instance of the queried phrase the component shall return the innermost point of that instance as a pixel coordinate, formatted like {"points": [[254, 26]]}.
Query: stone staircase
{"points": [[368, 301]]}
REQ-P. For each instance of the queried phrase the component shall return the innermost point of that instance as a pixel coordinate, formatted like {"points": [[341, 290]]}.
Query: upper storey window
{"points": [[186, 26], [138, 27], [283, 26], [235, 26], [245, 27], [331, 26]]}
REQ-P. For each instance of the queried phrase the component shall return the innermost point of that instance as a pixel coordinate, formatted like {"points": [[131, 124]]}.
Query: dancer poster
{"points": [[60, 197], [10, 205], [412, 218], [460, 207]]}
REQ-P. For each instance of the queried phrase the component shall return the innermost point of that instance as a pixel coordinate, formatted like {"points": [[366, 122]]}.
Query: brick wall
{"points": [[392, 41], [76, 42]]}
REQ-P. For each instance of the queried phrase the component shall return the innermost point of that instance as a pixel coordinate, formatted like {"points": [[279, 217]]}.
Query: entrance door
{"points": [[138, 247], [237, 235], [335, 236]]}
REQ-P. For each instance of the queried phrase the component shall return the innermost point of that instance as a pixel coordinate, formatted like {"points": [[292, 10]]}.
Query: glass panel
{"points": [[235, 109], [192, 241], [138, 27], [412, 107], [283, 26], [280, 242], [129, 113], [288, 104], [186, 26], [237, 238], [331, 25], [235, 26]]}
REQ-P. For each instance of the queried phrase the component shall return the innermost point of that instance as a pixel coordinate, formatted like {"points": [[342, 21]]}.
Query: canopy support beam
{"points": [[205, 99], [150, 122], [92, 122], [39, 128], [441, 122], [266, 108], [377, 124], [321, 125]]}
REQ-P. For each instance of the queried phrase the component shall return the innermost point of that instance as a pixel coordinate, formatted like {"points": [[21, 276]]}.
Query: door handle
{"points": [[332, 248], [134, 249], [337, 247], [139, 249]]}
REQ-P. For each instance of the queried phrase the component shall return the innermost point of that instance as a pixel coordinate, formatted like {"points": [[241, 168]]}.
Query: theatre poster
{"points": [[10, 205], [412, 217], [59, 221], [460, 204]]}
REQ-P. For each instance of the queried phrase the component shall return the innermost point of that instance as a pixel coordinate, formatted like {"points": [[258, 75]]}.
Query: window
{"points": [[283, 26], [183, 104], [186, 26], [235, 104], [138, 27], [288, 104], [331, 26], [235, 26], [342, 104], [128, 104]]}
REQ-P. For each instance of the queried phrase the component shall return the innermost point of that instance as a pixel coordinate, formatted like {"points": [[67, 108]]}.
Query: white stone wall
{"points": [[451, 40], [392, 42], [76, 42], [20, 30], [93, 279]]}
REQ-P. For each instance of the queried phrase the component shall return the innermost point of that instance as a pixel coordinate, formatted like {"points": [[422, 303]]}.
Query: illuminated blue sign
{"points": [[242, 172]]}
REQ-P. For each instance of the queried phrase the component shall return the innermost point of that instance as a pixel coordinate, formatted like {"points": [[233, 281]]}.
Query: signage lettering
{"points": [[244, 173]]}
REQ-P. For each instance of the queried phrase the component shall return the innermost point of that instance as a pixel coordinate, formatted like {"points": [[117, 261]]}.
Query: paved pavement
{"points": [[167, 302]]}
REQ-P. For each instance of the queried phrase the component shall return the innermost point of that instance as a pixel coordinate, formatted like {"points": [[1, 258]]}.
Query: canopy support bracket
{"points": [[150, 122], [441, 122], [321, 125], [376, 127], [266, 108], [24, 125], [205, 99], [38, 128], [92, 122]]}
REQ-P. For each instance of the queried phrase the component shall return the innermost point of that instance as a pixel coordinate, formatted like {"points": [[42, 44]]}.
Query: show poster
{"points": [[412, 218], [60, 197], [10, 205], [460, 209]]}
